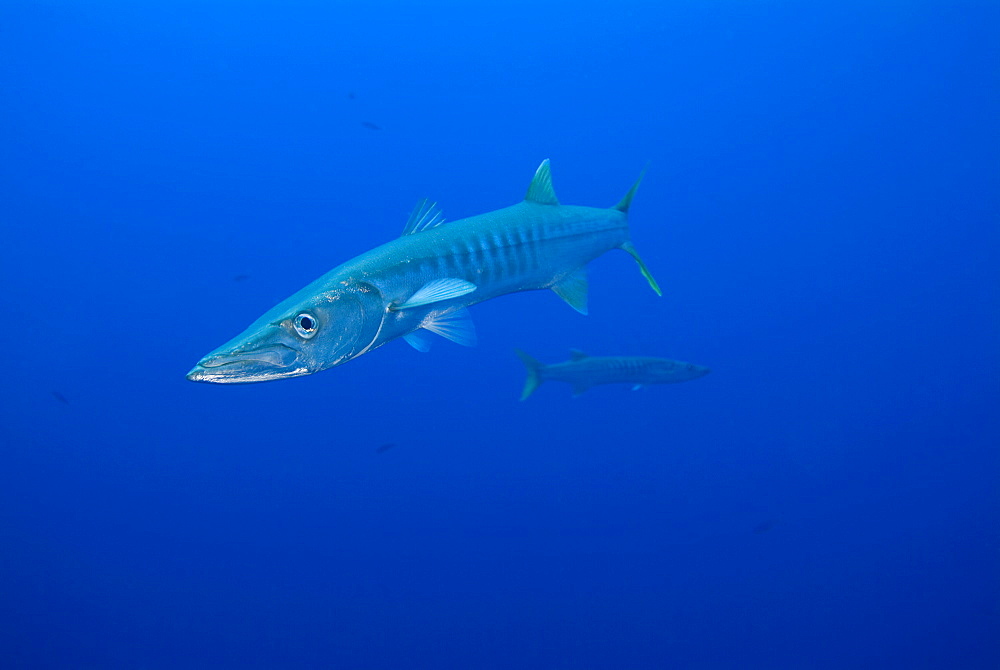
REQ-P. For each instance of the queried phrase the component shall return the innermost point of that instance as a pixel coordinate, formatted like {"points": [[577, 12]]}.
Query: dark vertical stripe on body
{"points": [[474, 253], [524, 245], [491, 251], [516, 251], [485, 244]]}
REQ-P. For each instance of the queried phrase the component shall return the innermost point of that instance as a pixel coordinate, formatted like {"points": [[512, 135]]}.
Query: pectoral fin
{"points": [[438, 290]]}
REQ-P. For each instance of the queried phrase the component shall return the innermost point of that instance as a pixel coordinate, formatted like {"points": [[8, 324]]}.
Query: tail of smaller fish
{"points": [[534, 369], [622, 207]]}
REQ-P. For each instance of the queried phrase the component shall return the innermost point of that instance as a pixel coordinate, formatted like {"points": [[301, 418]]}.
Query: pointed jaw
{"points": [[275, 361]]}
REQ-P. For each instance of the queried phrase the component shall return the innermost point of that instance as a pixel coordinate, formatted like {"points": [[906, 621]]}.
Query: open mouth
{"points": [[245, 367]]}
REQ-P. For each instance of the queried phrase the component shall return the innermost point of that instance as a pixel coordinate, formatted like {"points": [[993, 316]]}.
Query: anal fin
{"points": [[573, 289]]}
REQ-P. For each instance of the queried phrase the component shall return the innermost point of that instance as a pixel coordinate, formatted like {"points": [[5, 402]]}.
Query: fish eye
{"points": [[305, 325]]}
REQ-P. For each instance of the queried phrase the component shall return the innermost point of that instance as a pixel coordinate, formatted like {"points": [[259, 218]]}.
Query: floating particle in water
{"points": [[382, 448], [60, 397]]}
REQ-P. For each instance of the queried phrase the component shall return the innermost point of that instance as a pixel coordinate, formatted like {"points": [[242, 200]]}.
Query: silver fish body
{"points": [[583, 371], [423, 281]]}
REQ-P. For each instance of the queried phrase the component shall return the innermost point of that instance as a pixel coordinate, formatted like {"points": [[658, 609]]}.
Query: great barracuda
{"points": [[423, 281], [583, 371]]}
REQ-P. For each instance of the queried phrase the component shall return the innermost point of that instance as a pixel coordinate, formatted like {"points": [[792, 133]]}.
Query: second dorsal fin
{"points": [[541, 190]]}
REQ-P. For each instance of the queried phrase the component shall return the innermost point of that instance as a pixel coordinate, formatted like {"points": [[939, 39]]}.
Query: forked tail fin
{"points": [[534, 369], [624, 203], [622, 207], [642, 267]]}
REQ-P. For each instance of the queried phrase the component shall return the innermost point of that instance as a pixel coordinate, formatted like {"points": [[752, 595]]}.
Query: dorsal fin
{"points": [[541, 190], [425, 215], [576, 355], [624, 203]]}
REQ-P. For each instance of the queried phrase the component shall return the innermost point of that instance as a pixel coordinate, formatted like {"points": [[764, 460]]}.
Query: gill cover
{"points": [[349, 322]]}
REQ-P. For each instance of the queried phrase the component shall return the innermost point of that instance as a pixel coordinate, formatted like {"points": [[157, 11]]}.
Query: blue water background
{"points": [[821, 209]]}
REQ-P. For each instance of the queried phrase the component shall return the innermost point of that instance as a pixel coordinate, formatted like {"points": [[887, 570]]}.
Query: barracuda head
{"points": [[311, 331], [666, 371]]}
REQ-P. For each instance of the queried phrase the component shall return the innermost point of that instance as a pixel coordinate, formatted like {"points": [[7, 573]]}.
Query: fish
{"points": [[371, 126], [583, 371], [424, 281], [382, 448]]}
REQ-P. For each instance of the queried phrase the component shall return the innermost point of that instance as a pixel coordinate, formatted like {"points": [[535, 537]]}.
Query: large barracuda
{"points": [[583, 371], [422, 282]]}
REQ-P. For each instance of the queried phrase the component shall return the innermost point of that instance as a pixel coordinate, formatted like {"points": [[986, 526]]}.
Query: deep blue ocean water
{"points": [[821, 208]]}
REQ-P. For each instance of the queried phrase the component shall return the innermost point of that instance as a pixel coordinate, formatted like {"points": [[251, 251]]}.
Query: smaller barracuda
{"points": [[422, 282], [583, 371]]}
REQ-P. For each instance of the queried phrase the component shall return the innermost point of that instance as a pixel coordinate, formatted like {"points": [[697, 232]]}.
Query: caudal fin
{"points": [[642, 267], [624, 203], [534, 369], [622, 207]]}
